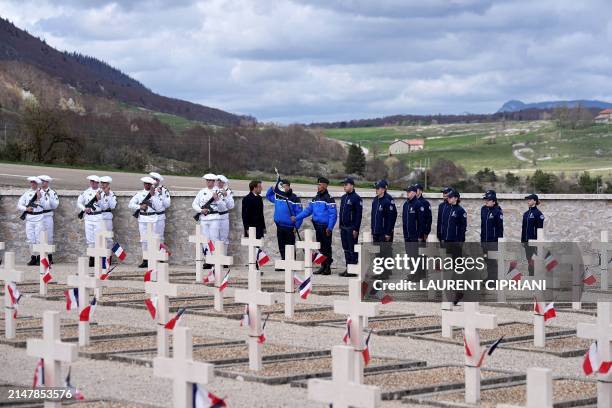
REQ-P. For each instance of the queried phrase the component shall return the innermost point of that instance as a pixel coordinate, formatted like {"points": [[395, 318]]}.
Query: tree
{"points": [[543, 182], [589, 184], [512, 180], [355, 161], [376, 169], [486, 175], [446, 173]]}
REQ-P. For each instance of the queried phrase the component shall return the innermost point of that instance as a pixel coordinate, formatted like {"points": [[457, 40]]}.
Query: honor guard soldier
{"points": [[322, 207], [427, 216], [351, 210], [384, 214], [146, 204], [228, 197], [532, 220], [491, 229], [107, 203], [87, 203], [49, 200], [456, 224], [413, 216], [443, 211], [286, 206], [32, 212], [160, 224], [210, 206]]}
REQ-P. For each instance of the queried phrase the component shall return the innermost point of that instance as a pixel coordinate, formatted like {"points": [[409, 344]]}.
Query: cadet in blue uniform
{"points": [[384, 214], [456, 223], [286, 207], [413, 216], [491, 229], [351, 209], [427, 216], [323, 210], [443, 211], [532, 220]]}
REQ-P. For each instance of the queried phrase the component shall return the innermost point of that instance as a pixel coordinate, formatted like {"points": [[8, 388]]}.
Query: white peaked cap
{"points": [[147, 179], [36, 179], [156, 176], [106, 179], [44, 177], [222, 178], [93, 177], [209, 176]]}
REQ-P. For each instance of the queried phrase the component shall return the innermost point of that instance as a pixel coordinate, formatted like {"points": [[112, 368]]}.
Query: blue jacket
{"points": [[532, 220], [384, 215], [443, 211], [427, 217], [282, 211], [456, 224], [491, 223], [322, 207], [351, 209], [413, 219]]}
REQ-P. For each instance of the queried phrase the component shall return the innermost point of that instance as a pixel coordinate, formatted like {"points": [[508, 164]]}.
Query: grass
{"points": [[476, 146]]}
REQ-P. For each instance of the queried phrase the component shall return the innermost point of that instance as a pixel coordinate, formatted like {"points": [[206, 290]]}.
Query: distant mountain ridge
{"points": [[516, 105], [91, 76]]}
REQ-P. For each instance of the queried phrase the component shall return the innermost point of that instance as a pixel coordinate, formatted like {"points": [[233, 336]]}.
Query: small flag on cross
{"points": [[152, 306], [72, 298], [88, 312], [119, 252], [46, 270]]}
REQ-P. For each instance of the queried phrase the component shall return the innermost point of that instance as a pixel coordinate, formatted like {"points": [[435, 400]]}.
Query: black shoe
{"points": [[32, 261], [92, 262], [326, 271], [38, 260], [50, 256], [278, 269], [144, 264], [346, 274]]}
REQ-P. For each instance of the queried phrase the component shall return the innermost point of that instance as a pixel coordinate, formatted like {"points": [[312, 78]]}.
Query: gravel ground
{"points": [[109, 380]]}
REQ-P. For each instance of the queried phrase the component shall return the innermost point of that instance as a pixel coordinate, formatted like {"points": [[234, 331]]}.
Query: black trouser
{"points": [[285, 236], [530, 251], [348, 244], [411, 247], [325, 241], [492, 267]]}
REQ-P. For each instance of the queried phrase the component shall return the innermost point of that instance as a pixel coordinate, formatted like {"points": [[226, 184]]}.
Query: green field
{"points": [[510, 146]]}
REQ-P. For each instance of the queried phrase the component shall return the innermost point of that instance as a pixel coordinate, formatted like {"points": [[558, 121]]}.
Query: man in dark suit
{"points": [[252, 210]]}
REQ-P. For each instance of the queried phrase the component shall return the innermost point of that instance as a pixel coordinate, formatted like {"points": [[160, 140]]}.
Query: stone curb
{"points": [[393, 332]]}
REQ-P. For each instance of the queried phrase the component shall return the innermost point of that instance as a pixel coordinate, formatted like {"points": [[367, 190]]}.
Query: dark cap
{"points": [[412, 188], [446, 190], [532, 197], [322, 180], [453, 193], [348, 180], [490, 195], [285, 181], [418, 186], [381, 184]]}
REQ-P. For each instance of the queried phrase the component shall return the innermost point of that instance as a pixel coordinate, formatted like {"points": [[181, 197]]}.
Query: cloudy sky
{"points": [[322, 60]]}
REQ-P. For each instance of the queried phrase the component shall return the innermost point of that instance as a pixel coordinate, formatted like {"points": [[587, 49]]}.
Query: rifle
{"points": [[90, 204], [297, 231], [206, 205], [147, 201], [30, 204]]}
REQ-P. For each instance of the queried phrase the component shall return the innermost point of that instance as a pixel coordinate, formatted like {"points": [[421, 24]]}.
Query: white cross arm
{"points": [[354, 395], [159, 289], [365, 309], [57, 350], [89, 282], [257, 298], [192, 371], [459, 319]]}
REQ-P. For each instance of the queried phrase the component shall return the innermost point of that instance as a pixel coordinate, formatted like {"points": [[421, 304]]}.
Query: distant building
{"points": [[406, 146], [605, 116]]}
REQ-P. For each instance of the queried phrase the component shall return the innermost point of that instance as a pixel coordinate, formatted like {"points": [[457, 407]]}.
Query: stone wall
{"points": [[568, 218]]}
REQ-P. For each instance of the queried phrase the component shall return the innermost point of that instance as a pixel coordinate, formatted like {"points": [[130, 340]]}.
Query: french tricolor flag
{"points": [[366, 350], [78, 395], [489, 351], [87, 313], [468, 350], [550, 261], [210, 277], [262, 336], [588, 277], [147, 275], [306, 287], [593, 364], [224, 282], [164, 247], [246, 317], [211, 246], [39, 374], [318, 258], [262, 258], [513, 272], [205, 399], [347, 334], [15, 297], [119, 252], [549, 311], [104, 266], [72, 299], [174, 321], [46, 270], [105, 276], [151, 305]]}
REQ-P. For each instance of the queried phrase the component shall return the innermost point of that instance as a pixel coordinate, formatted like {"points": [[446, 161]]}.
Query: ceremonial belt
{"points": [[46, 211], [148, 213], [160, 213], [216, 212]]}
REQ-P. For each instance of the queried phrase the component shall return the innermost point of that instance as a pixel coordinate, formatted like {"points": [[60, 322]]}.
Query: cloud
{"points": [[317, 60]]}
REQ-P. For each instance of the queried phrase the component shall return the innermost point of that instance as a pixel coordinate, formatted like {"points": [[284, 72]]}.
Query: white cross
{"points": [[604, 248], [254, 297], [182, 369], [362, 258], [433, 249], [43, 249], [153, 254], [503, 254], [539, 273], [539, 389], [200, 241], [341, 391], [309, 244], [163, 289], [356, 309], [99, 251], [578, 262], [289, 264], [471, 320], [602, 333], [53, 351], [9, 274], [83, 281], [219, 259]]}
